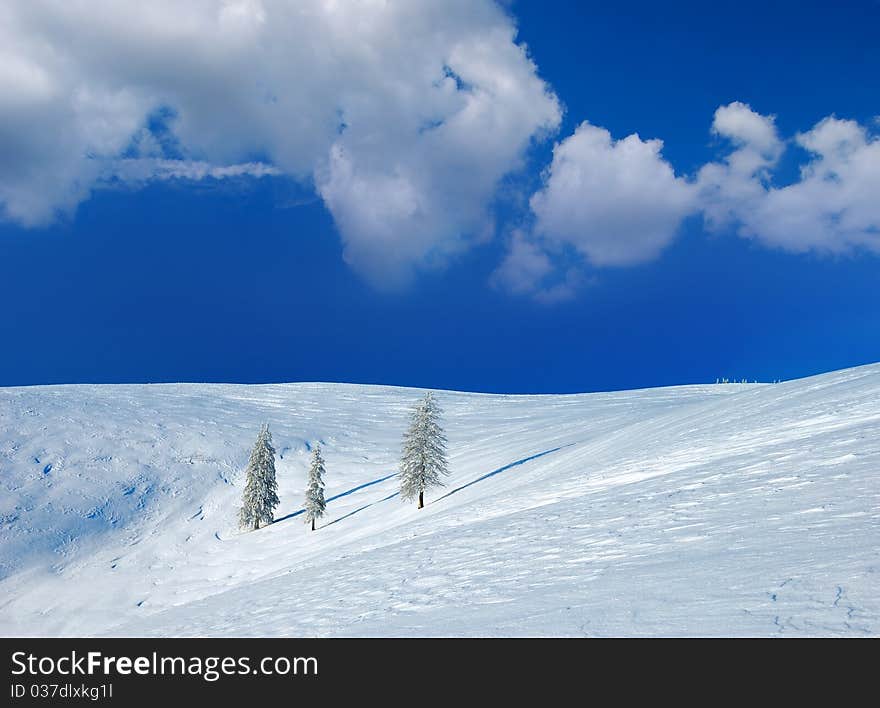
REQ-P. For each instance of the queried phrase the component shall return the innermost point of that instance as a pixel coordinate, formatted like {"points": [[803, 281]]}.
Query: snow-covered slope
{"points": [[694, 510]]}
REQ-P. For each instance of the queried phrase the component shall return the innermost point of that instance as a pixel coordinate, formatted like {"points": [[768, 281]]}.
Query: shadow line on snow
{"points": [[339, 496], [397, 494], [502, 469], [366, 506]]}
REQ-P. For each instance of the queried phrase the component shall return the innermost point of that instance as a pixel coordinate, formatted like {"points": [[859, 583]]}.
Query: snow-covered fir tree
{"points": [[260, 492], [315, 504], [424, 452]]}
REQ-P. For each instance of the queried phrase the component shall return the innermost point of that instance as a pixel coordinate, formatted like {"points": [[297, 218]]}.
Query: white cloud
{"points": [[152, 169], [617, 202], [527, 269], [835, 205], [524, 266], [832, 207], [732, 186], [405, 114], [748, 129]]}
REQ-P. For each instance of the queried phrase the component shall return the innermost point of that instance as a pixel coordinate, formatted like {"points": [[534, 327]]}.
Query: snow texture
{"points": [[694, 510]]}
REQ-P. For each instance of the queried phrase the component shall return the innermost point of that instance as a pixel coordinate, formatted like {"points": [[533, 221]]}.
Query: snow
{"points": [[732, 509]]}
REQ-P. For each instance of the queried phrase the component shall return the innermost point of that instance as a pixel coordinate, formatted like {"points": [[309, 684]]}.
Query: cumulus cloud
{"points": [[524, 266], [618, 202], [404, 115], [528, 269], [734, 185], [832, 207], [753, 133]]}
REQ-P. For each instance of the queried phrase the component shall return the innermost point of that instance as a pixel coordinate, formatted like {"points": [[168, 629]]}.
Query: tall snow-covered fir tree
{"points": [[315, 504], [424, 452], [260, 491]]}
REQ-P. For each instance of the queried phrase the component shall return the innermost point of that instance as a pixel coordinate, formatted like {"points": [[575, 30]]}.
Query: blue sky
{"points": [[169, 226]]}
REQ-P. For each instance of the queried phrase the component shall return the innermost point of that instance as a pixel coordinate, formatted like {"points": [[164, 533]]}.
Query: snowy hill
{"points": [[693, 510]]}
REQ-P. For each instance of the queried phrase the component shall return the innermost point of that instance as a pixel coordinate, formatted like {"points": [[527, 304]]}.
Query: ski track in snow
{"points": [[731, 509]]}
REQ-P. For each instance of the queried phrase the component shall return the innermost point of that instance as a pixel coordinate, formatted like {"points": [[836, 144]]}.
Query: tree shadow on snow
{"points": [[502, 469], [339, 496], [506, 467]]}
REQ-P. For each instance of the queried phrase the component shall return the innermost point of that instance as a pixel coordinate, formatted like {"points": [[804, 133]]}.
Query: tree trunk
{"points": [[421, 499], [313, 524], [256, 524]]}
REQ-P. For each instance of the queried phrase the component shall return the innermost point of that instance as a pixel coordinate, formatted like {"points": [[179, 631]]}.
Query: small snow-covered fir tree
{"points": [[260, 492], [424, 452], [315, 504]]}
